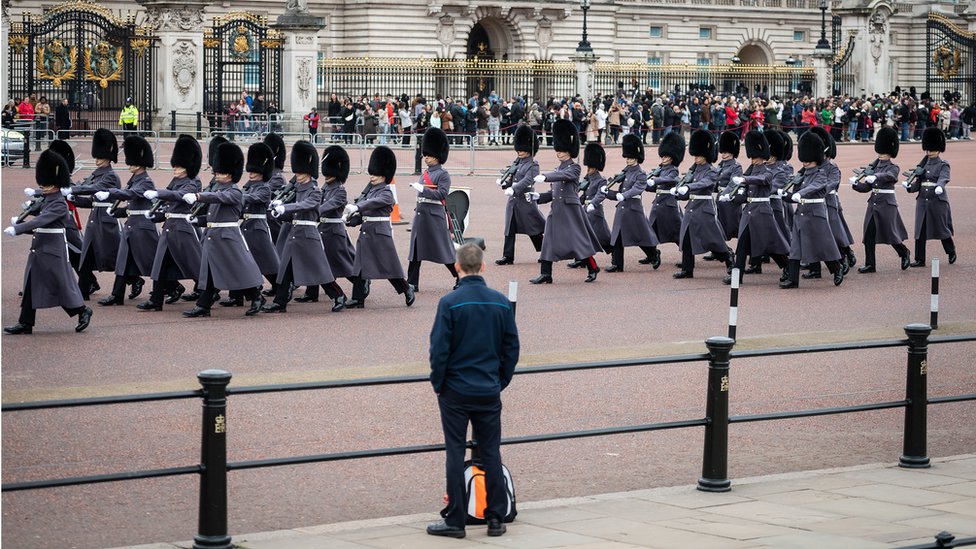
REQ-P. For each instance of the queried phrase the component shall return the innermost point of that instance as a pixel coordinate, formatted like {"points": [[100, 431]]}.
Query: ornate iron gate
{"points": [[845, 81], [84, 53], [241, 53], [952, 65]]}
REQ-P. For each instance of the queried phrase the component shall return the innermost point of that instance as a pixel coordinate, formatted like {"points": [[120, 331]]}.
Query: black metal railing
{"points": [[213, 468]]}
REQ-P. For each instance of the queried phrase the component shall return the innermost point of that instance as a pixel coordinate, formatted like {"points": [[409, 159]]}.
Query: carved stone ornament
{"points": [[445, 30], [184, 67], [183, 18], [304, 77], [878, 32], [304, 39], [543, 32], [296, 7]]}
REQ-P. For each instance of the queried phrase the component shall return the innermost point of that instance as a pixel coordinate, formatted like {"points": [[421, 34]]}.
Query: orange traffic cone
{"points": [[395, 214]]}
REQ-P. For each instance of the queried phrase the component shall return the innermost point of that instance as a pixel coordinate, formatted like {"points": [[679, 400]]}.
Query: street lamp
{"points": [[823, 44], [790, 61], [584, 44]]}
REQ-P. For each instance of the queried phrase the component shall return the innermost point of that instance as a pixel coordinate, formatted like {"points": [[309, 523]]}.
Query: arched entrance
{"points": [[488, 41], [754, 54]]}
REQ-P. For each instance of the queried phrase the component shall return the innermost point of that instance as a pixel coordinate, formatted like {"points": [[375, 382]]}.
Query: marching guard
{"points": [[835, 213], [137, 249], [595, 160], [882, 221], [568, 234], [225, 262], [72, 229], [49, 280], [100, 244], [811, 240], [630, 227], [729, 211], [933, 217], [781, 172], [430, 239], [276, 182], [700, 231], [302, 261], [376, 255], [522, 216], [665, 215]]}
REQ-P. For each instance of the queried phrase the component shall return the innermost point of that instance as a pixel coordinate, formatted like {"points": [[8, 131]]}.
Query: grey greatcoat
{"points": [[139, 236], [430, 237], [338, 248], [596, 218], [526, 215], [276, 182], [178, 237], [665, 216], [630, 227], [304, 250], [568, 234], [757, 215], [781, 172], [932, 209], [811, 240], [255, 228], [376, 254], [102, 232], [883, 205], [699, 220], [225, 256], [728, 212], [835, 213], [53, 281]]}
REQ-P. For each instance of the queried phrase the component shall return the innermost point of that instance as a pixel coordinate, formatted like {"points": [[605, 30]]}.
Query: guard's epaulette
{"points": [[715, 169]]}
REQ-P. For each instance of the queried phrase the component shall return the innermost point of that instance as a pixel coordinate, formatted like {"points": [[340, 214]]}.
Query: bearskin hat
{"points": [[776, 143], [830, 147], [787, 147], [215, 142], [105, 145], [565, 138], [260, 159], [526, 140], [382, 163], [335, 163], [594, 156], [933, 139], [756, 145], [434, 143], [277, 145], [672, 146], [230, 160], [701, 143], [66, 152], [305, 159], [729, 142], [887, 142], [632, 147], [52, 169], [138, 152], [811, 148], [187, 155]]}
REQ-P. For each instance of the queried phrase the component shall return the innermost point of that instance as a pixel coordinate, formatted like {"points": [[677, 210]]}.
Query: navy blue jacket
{"points": [[474, 343]]}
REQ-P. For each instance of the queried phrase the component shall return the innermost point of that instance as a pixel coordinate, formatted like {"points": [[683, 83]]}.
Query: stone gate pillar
{"points": [[868, 20], [823, 70], [299, 59], [179, 60], [585, 77]]}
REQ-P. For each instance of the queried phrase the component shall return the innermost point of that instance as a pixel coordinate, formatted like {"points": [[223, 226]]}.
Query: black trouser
{"points": [[793, 269], [743, 249], [508, 249], [546, 266], [418, 155], [870, 235], [169, 276], [485, 415], [207, 297], [413, 272], [28, 313], [313, 291], [271, 278], [359, 287], [118, 288], [688, 254], [281, 294], [86, 273], [617, 252], [947, 244]]}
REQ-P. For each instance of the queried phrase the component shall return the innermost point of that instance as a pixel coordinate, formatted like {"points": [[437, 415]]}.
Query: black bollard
{"points": [[212, 523], [513, 294], [734, 304], [172, 123], [199, 125], [914, 454], [715, 458]]}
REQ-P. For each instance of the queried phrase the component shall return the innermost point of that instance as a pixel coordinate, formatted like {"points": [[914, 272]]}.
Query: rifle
{"points": [[865, 171], [508, 174], [615, 180], [797, 180], [915, 174], [200, 207], [30, 207], [356, 218]]}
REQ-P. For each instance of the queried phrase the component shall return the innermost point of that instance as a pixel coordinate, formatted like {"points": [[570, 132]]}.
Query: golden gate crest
{"points": [[946, 62], [55, 62], [241, 42], [103, 63]]}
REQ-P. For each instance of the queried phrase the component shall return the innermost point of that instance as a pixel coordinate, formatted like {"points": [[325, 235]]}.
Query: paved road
{"points": [[636, 313]]}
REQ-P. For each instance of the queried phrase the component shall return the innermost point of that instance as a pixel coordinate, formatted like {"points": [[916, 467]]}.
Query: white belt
{"points": [[832, 192], [178, 216], [422, 200], [930, 184], [699, 197], [49, 231], [758, 199], [371, 218], [101, 204], [223, 225], [775, 197], [138, 212], [883, 191], [661, 191], [255, 216], [304, 222], [337, 220], [811, 201]]}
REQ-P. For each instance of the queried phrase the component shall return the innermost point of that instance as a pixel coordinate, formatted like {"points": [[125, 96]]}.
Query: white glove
{"points": [[650, 183], [66, 191], [190, 198], [532, 197], [278, 210], [70, 197], [351, 208], [193, 220], [603, 189], [417, 187], [741, 191], [853, 180], [148, 215], [683, 189], [275, 203], [781, 192], [13, 220], [870, 179], [151, 194], [724, 198], [101, 196], [590, 208], [30, 191], [11, 231], [673, 191], [904, 184], [939, 190], [509, 191], [539, 178], [498, 182], [619, 197], [738, 180], [796, 197]]}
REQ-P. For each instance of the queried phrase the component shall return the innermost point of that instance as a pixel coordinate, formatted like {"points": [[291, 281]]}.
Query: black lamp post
{"points": [[823, 44], [584, 44]]}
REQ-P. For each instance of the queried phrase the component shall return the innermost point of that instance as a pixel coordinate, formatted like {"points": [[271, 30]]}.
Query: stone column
{"points": [[179, 61], [4, 37], [868, 20], [585, 78], [823, 72], [299, 59]]}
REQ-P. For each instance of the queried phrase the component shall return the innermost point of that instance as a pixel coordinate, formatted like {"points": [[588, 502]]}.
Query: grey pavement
{"points": [[863, 507]]}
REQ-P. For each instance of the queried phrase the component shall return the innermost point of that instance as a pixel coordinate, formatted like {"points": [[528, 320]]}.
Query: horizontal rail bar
{"points": [[97, 401], [98, 479], [937, 545], [954, 398], [818, 412]]}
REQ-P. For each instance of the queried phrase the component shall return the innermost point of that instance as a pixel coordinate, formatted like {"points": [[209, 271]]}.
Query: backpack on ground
{"points": [[476, 493]]}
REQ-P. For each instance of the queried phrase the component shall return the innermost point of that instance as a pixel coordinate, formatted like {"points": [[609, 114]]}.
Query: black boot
{"points": [[197, 312], [338, 304], [137, 288], [232, 302], [175, 294], [18, 329], [256, 306], [84, 319]]}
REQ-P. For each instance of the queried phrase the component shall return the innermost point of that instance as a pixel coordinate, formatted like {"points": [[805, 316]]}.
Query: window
{"points": [[705, 33], [704, 61], [654, 72], [799, 36], [657, 32]]}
